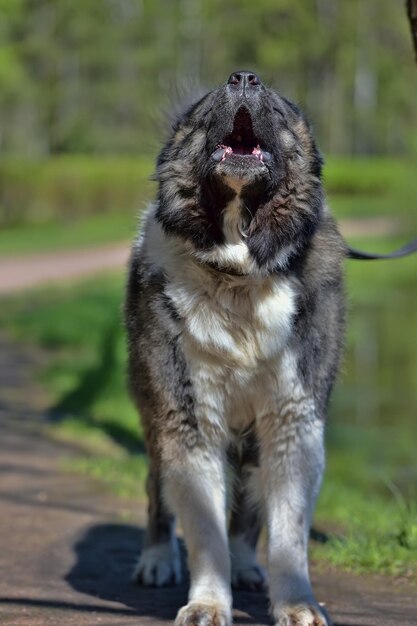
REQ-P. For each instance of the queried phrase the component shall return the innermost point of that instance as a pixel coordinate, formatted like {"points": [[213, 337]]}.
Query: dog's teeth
{"points": [[261, 154], [226, 152], [257, 152], [221, 152]]}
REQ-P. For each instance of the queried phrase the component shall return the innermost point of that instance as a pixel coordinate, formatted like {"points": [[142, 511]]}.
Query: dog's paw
{"points": [[246, 573], [248, 577], [159, 566], [199, 614], [301, 615]]}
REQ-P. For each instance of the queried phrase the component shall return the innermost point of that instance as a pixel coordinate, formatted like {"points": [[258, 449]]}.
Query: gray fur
{"points": [[227, 243]]}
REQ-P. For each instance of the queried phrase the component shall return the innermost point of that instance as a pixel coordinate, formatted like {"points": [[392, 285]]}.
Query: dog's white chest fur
{"points": [[234, 333], [234, 330], [233, 324]]}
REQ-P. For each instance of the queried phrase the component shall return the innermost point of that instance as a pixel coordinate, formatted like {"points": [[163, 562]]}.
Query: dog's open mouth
{"points": [[242, 141]]}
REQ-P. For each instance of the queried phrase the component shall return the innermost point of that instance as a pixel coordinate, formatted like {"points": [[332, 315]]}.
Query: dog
{"points": [[235, 317]]}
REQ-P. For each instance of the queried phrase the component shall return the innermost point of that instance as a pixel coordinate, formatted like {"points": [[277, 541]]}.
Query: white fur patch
{"points": [[236, 256], [234, 328], [233, 331]]}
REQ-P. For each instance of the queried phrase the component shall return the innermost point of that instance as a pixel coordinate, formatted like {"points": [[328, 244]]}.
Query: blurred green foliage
{"points": [[90, 77], [83, 86], [66, 188], [372, 187], [75, 233]]}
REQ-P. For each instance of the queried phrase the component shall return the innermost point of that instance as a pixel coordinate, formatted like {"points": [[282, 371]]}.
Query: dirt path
{"points": [[21, 272], [68, 546]]}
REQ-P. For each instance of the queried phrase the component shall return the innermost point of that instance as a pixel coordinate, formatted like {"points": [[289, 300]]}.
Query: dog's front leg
{"points": [[292, 461], [194, 486]]}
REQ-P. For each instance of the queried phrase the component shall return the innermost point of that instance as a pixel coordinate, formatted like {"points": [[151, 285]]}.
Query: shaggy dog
{"points": [[235, 317]]}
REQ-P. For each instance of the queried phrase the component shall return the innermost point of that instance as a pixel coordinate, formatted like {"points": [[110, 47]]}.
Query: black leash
{"points": [[368, 256]]}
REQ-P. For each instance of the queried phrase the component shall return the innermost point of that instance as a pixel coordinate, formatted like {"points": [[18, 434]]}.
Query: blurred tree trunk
{"points": [[412, 16]]}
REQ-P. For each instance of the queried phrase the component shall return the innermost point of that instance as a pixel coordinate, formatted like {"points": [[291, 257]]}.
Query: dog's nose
{"points": [[244, 81]]}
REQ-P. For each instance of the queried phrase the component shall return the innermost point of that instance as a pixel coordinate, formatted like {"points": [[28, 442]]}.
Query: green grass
{"points": [[372, 187], [80, 325], [81, 232], [373, 524], [125, 476]]}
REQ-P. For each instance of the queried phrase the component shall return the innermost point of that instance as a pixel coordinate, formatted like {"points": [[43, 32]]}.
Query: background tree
{"points": [[412, 16], [90, 77]]}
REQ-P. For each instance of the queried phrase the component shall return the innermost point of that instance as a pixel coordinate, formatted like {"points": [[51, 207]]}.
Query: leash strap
{"points": [[368, 256]]}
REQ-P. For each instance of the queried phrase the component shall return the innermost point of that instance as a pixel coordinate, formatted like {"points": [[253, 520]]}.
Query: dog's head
{"points": [[245, 146]]}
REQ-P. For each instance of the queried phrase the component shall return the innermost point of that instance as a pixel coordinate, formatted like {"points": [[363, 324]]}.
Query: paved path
{"points": [[68, 546], [25, 271]]}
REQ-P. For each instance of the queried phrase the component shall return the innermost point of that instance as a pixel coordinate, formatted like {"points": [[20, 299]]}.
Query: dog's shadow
{"points": [[105, 557]]}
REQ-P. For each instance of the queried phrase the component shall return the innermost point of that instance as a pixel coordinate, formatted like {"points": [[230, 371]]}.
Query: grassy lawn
{"points": [[81, 232], [372, 187], [372, 521]]}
